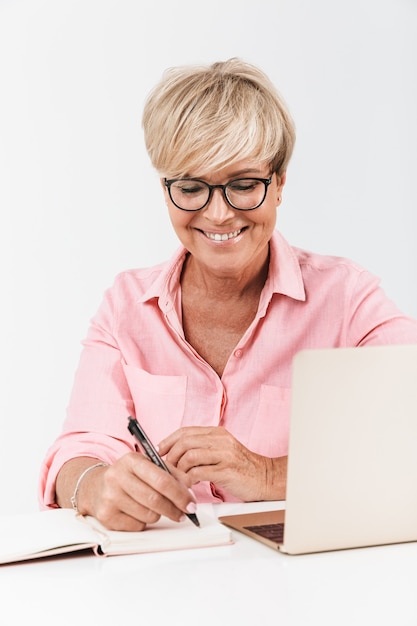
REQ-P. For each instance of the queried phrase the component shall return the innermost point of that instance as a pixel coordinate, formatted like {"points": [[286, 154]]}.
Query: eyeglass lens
{"points": [[243, 193]]}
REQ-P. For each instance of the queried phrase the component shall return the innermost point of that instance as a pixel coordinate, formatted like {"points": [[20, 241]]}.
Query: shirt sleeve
{"points": [[373, 319], [100, 402]]}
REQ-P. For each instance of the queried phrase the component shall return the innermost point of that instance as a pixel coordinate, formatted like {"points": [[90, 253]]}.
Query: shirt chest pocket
{"points": [[270, 431], [159, 401]]}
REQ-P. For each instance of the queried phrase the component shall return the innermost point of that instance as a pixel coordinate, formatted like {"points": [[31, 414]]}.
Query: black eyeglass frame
{"points": [[265, 181]]}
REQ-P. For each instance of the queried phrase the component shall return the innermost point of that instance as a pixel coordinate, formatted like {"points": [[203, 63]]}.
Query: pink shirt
{"points": [[136, 361]]}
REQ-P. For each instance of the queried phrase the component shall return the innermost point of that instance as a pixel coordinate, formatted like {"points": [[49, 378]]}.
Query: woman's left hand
{"points": [[213, 454]]}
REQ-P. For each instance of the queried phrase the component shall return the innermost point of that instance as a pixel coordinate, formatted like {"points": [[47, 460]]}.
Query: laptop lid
{"points": [[352, 463]]}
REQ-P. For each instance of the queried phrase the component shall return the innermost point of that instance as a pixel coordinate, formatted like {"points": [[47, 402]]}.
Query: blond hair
{"points": [[202, 118]]}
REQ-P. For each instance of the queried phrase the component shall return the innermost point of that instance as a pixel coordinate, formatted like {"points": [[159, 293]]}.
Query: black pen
{"points": [[137, 431]]}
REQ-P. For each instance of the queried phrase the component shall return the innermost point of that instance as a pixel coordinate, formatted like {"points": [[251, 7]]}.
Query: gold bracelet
{"points": [[77, 486]]}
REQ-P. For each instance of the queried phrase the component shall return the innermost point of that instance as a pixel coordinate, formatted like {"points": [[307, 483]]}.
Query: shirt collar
{"points": [[284, 275], [166, 285]]}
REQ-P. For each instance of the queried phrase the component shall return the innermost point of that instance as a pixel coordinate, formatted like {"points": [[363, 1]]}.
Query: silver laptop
{"points": [[352, 462]]}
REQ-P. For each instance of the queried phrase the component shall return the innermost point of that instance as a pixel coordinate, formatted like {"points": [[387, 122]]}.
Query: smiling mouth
{"points": [[222, 236]]}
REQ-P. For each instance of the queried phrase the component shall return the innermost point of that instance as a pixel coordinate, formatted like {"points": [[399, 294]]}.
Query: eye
{"points": [[190, 187], [243, 185]]}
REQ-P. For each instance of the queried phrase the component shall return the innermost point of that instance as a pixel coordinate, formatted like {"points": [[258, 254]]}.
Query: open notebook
{"points": [[352, 463], [60, 531]]}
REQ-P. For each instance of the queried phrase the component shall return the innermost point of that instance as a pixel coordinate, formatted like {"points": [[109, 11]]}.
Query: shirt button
{"points": [[238, 353]]}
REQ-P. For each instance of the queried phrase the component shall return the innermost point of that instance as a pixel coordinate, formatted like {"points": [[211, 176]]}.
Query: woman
{"points": [[199, 348]]}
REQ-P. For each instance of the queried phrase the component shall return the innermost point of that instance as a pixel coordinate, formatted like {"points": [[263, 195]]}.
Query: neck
{"points": [[224, 286]]}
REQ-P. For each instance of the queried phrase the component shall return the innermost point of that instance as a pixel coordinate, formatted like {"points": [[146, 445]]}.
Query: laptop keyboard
{"points": [[274, 532]]}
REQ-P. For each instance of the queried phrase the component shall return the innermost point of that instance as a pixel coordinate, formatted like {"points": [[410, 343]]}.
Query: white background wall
{"points": [[79, 201]]}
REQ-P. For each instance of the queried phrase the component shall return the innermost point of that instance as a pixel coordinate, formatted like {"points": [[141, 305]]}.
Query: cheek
{"points": [[180, 220], [269, 215]]}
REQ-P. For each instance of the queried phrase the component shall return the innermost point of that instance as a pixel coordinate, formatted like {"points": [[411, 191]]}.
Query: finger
{"points": [[209, 473], [179, 474], [196, 457], [127, 516], [158, 490], [125, 523], [116, 508], [193, 444], [166, 444]]}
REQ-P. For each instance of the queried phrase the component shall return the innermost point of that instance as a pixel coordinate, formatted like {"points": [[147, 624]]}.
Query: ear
{"points": [[164, 189], [280, 185]]}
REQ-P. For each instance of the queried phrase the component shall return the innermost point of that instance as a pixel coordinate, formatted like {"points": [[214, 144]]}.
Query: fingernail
{"points": [[191, 507], [192, 492]]}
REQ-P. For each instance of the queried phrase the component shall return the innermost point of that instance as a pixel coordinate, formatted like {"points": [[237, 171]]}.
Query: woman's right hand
{"points": [[127, 495]]}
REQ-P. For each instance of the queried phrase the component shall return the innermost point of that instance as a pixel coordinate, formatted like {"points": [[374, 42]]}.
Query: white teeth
{"points": [[223, 236]]}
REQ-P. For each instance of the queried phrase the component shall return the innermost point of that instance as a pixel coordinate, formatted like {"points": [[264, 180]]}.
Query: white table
{"points": [[242, 584]]}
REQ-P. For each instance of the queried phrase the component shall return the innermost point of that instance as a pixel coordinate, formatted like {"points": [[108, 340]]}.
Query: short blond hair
{"points": [[202, 118]]}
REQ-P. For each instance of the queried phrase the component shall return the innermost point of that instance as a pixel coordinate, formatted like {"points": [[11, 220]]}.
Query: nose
{"points": [[218, 210]]}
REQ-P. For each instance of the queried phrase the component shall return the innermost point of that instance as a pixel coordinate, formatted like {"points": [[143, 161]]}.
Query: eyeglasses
{"points": [[192, 194]]}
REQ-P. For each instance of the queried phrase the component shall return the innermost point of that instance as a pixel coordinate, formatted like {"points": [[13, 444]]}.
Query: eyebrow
{"points": [[247, 171], [251, 173]]}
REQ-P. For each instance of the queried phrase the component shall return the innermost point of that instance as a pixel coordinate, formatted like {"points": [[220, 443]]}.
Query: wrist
{"points": [[78, 485], [275, 478]]}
